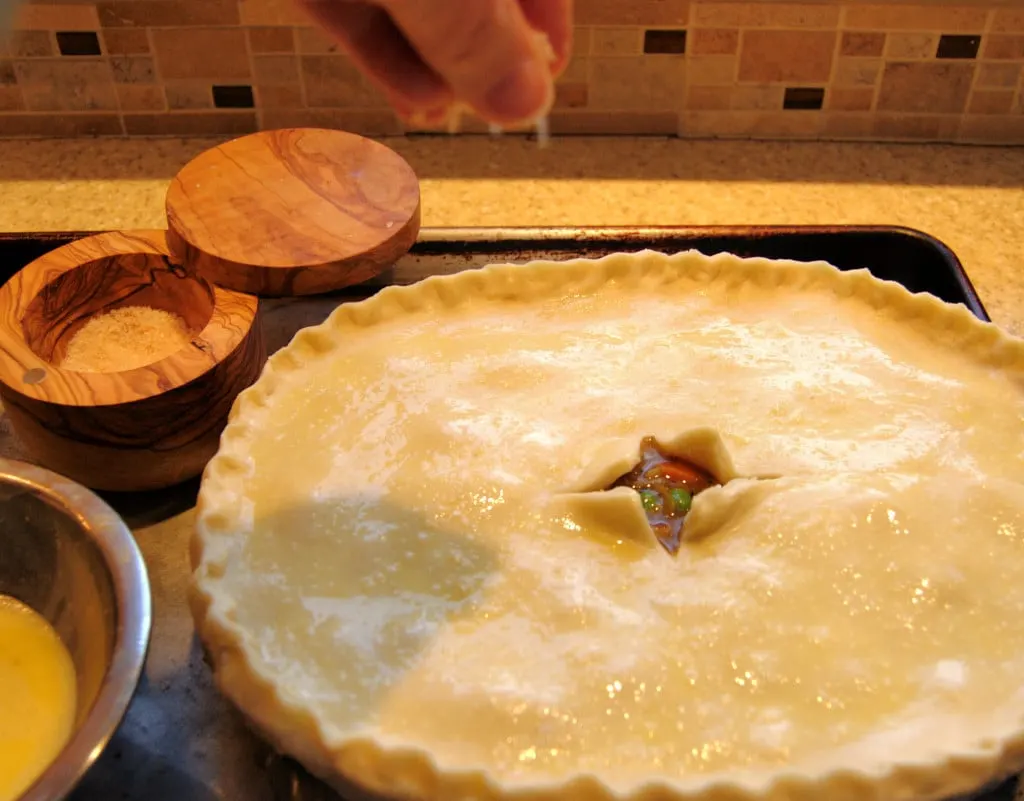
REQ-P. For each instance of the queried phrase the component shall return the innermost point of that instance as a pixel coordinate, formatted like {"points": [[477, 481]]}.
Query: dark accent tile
{"points": [[78, 43], [7, 75], [803, 98], [233, 97], [660, 41], [958, 46]]}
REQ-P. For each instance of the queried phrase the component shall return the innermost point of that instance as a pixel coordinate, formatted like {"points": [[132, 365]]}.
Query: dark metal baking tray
{"points": [[918, 261], [180, 739]]}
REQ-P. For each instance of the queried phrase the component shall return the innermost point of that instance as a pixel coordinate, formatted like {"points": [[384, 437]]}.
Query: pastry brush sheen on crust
{"points": [[426, 562]]}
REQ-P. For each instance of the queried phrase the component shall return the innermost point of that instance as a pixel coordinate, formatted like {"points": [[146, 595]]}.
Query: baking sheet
{"points": [[180, 739]]}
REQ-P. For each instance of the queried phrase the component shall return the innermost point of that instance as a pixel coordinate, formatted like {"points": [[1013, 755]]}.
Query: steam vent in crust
{"points": [[646, 527]]}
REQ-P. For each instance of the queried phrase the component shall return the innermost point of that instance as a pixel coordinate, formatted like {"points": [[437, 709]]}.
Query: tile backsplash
{"points": [[936, 71]]}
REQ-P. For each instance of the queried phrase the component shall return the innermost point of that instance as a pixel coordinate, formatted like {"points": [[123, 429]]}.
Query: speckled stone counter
{"points": [[972, 198]]}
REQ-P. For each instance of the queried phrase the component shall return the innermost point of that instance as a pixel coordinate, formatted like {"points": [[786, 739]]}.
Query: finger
{"points": [[554, 19], [485, 50], [375, 44]]}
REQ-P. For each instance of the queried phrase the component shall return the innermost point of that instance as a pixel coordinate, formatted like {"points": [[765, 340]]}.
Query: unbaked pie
{"points": [[425, 562]]}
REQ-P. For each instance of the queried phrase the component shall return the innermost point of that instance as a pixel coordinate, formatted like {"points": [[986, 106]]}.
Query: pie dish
{"points": [[412, 571]]}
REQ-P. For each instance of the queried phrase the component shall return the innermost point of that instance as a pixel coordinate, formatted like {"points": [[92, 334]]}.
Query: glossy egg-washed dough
{"points": [[403, 578]]}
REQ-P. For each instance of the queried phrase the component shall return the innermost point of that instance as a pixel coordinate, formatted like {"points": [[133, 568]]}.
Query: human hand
{"points": [[499, 57]]}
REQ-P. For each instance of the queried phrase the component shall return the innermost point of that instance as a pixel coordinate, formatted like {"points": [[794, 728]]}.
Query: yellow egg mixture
{"points": [[37, 696]]}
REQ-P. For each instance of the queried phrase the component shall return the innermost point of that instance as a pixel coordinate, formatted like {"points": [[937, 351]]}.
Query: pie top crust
{"points": [[408, 574]]}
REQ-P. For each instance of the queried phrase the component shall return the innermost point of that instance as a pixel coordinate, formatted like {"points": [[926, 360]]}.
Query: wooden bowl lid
{"points": [[296, 211]]}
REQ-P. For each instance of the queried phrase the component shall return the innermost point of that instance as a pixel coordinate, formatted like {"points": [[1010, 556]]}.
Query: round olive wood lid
{"points": [[296, 211]]}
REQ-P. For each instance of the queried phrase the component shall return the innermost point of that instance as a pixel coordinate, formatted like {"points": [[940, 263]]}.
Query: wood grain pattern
{"points": [[144, 428], [296, 211]]}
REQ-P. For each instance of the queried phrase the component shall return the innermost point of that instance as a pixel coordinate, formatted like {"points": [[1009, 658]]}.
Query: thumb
{"points": [[486, 51]]}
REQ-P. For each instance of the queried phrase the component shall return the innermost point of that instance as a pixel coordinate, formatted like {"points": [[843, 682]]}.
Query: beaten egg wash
{"points": [[37, 696]]}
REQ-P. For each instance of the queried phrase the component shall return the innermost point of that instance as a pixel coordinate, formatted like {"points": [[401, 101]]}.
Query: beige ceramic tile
{"points": [[753, 124], [57, 85], [190, 123], [315, 41], [30, 44], [571, 95], [132, 69], [581, 41], [709, 98], [272, 12], [995, 101], [787, 124], [712, 70], [126, 41], [1008, 20], [911, 45], [840, 98], [332, 81], [273, 39], [899, 16], [188, 95], [616, 41], [577, 70], [1003, 47], [860, 43], [167, 13], [62, 125], [368, 123], [141, 97], [997, 74], [617, 123], [843, 125], [634, 12], [278, 97], [857, 71], [986, 129], [754, 97], [213, 53], [713, 41], [927, 127], [927, 87], [275, 69], [643, 83], [717, 124], [766, 15], [11, 99], [56, 17], [786, 56]]}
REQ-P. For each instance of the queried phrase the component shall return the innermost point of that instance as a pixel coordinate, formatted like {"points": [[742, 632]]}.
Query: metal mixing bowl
{"points": [[68, 555]]}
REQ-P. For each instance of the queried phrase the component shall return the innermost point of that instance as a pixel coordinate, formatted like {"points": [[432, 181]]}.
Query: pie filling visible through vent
{"points": [[417, 567], [666, 485]]}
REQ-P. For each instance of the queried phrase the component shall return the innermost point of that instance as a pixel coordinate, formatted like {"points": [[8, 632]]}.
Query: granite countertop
{"points": [[972, 198]]}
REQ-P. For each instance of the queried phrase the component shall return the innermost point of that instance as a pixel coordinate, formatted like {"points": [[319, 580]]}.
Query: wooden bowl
{"points": [[145, 427]]}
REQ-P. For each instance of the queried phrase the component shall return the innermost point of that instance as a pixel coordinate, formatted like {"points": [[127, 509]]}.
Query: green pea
{"points": [[681, 500], [651, 500]]}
